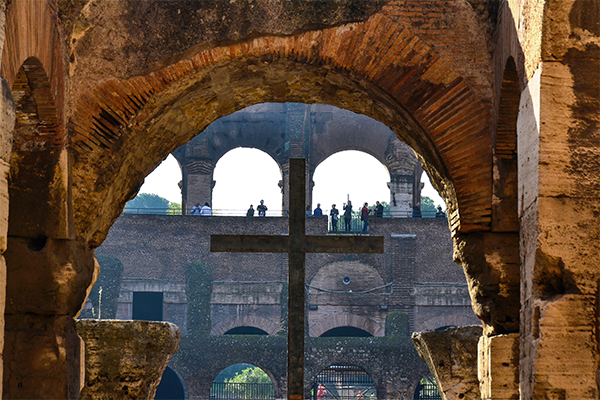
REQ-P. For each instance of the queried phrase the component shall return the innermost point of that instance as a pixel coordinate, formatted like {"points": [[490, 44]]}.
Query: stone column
{"points": [[47, 281], [498, 366], [199, 183], [284, 184], [401, 195], [559, 191]]}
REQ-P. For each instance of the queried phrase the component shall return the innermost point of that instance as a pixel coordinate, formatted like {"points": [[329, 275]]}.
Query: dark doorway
{"points": [[170, 386], [148, 306], [245, 330], [346, 331]]}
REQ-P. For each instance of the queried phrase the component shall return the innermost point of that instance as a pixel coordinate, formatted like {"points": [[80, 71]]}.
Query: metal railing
{"points": [[427, 390], [223, 212], [242, 391]]}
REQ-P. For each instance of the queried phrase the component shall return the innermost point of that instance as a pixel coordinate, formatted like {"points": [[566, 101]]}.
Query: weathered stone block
{"points": [[42, 358], [498, 366], [47, 276], [125, 359], [452, 359]]}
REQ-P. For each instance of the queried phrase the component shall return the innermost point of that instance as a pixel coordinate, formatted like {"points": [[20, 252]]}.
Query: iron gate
{"points": [[427, 390], [241, 391], [343, 382]]}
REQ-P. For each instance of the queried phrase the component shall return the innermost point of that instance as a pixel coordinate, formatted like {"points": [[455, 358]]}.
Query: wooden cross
{"points": [[296, 244]]}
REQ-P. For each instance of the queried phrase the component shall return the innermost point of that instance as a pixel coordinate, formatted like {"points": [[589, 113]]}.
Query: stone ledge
{"points": [[125, 359]]}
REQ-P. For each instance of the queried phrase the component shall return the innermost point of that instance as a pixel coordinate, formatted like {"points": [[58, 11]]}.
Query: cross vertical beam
{"points": [[296, 285]]}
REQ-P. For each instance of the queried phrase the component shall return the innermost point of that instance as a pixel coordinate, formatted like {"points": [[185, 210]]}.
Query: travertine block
{"points": [[452, 359], [125, 359], [498, 366]]}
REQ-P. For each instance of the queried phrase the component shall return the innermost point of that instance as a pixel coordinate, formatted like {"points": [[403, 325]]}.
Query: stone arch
{"points": [[246, 320], [274, 381], [198, 172], [171, 386], [338, 321], [440, 321], [409, 88]]}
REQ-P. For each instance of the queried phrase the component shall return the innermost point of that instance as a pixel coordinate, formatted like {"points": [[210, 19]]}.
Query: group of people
{"points": [[262, 210], [204, 210], [364, 215]]}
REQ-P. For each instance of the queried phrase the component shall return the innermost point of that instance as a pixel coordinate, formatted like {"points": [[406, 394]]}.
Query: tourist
{"points": [[348, 216], [262, 209], [318, 212], [308, 211], [196, 210], [364, 216], [378, 210], [417, 210], [250, 212], [360, 395], [206, 210], [335, 213], [440, 213], [321, 394]]}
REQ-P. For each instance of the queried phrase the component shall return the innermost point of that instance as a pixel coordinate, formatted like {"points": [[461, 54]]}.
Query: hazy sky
{"points": [[245, 176]]}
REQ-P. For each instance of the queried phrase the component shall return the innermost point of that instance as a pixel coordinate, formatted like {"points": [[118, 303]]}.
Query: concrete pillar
{"points": [[401, 195]]}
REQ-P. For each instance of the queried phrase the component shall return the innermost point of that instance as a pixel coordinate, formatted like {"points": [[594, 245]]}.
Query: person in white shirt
{"points": [[206, 210]]}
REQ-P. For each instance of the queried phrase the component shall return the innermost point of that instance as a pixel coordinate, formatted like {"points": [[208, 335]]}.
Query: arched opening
{"points": [[350, 175], [245, 330], [346, 331], [427, 390], [242, 381], [171, 386], [244, 177], [343, 382], [165, 180]]}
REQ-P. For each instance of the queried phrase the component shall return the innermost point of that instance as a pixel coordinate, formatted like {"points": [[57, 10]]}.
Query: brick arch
{"points": [[445, 320], [246, 320], [407, 86], [254, 363], [326, 324], [32, 52]]}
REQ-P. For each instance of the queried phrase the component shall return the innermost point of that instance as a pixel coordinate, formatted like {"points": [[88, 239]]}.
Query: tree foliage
{"points": [[427, 205], [250, 375], [148, 200]]}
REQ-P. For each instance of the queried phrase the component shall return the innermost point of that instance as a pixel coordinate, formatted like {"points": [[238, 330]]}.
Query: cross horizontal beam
{"points": [[281, 244]]}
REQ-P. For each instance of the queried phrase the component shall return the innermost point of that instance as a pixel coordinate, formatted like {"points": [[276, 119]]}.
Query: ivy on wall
{"points": [[198, 290]]}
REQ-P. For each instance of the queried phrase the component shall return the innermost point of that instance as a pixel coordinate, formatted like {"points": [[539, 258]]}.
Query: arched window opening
{"points": [[164, 182], [350, 175], [245, 330], [242, 381], [170, 386], [343, 382], [432, 204], [346, 331], [244, 177], [427, 390]]}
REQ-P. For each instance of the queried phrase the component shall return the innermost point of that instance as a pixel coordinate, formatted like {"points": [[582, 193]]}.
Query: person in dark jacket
{"points": [[348, 216]]}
